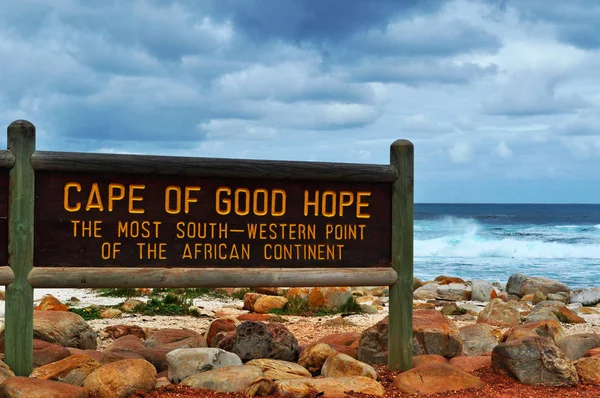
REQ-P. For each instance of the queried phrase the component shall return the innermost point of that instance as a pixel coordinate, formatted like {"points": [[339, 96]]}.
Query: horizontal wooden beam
{"points": [[211, 167], [6, 276], [43, 277], [7, 159]]}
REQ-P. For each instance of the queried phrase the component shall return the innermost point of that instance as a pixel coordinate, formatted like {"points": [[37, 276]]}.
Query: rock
{"points": [[328, 387], [588, 370], [587, 311], [219, 325], [436, 378], [156, 356], [130, 304], [481, 290], [420, 360], [175, 338], [255, 317], [433, 333], [368, 309], [328, 298], [258, 340], [477, 339], [562, 297], [249, 300], [548, 328], [471, 308], [426, 292], [122, 378], [71, 370], [470, 364], [225, 340], [553, 310], [51, 303], [45, 353], [225, 379], [527, 298], [534, 361], [423, 306], [538, 297], [111, 313], [454, 292], [269, 291], [126, 343], [446, 280], [346, 339], [26, 387], [338, 365], [521, 285], [588, 297], [499, 313], [97, 356], [5, 372], [593, 352], [576, 345], [313, 357], [117, 331], [264, 304], [275, 369], [64, 328], [417, 283], [185, 362], [452, 309], [298, 293]]}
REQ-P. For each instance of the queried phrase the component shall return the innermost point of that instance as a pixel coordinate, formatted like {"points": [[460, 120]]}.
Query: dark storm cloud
{"points": [[316, 20]]}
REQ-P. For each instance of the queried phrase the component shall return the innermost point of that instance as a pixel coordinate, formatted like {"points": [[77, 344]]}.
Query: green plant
{"points": [[192, 292], [88, 313], [350, 306], [239, 294]]}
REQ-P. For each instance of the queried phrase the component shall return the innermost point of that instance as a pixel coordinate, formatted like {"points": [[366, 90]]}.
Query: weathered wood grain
{"points": [[401, 293], [211, 167], [208, 277], [18, 331]]}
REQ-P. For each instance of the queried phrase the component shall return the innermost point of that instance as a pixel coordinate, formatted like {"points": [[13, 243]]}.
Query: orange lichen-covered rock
{"points": [[51, 303]]}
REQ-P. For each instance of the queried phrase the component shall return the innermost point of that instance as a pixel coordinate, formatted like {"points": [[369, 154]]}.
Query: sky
{"points": [[501, 98]]}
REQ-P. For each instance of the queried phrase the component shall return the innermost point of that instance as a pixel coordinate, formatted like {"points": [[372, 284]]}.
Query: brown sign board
{"points": [[136, 220]]}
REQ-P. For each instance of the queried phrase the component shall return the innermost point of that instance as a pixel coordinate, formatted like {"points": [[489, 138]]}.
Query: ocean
{"points": [[494, 241]]}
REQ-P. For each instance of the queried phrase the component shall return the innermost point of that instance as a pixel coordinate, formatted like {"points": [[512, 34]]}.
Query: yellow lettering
{"points": [[66, 204], [168, 206], [281, 211], [360, 204], [225, 201], [265, 202], [133, 198], [94, 200], [346, 199], [324, 211], [187, 252], [314, 203], [189, 199], [112, 197]]}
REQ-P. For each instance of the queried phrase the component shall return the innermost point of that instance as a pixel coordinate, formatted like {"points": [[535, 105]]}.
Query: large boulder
{"points": [[265, 304], [478, 339], [498, 313], [588, 370], [258, 340], [225, 379], [436, 378], [72, 370], [275, 369], [185, 362], [313, 357], [328, 387], [45, 353], [433, 333], [5, 372], [122, 378], [481, 291], [521, 285], [588, 297], [27, 387], [220, 325], [64, 328], [454, 292], [470, 364], [338, 365], [328, 298], [550, 329], [576, 345], [175, 338], [534, 361]]}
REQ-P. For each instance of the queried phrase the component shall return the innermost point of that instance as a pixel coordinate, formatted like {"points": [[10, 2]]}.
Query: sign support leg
{"points": [[18, 330], [401, 293]]}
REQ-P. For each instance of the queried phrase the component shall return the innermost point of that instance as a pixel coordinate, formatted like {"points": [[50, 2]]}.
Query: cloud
{"points": [[460, 153], [527, 94], [504, 151]]}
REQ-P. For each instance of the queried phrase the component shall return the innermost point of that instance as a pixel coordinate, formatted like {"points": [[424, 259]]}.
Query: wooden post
{"points": [[401, 293], [18, 330]]}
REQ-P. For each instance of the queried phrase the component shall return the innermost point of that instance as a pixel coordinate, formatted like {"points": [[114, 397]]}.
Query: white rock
{"points": [[185, 362]]}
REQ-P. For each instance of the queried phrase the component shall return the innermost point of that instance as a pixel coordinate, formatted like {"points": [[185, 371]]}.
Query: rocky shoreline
{"points": [[533, 331]]}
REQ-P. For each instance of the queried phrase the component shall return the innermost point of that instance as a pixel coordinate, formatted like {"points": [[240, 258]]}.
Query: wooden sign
{"points": [[95, 220]]}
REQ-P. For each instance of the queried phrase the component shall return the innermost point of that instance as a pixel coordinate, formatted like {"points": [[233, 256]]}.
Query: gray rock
{"points": [[258, 340], [184, 362], [454, 291], [561, 296], [521, 285], [587, 297], [478, 339], [481, 290], [499, 313], [534, 361], [426, 292], [576, 345]]}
